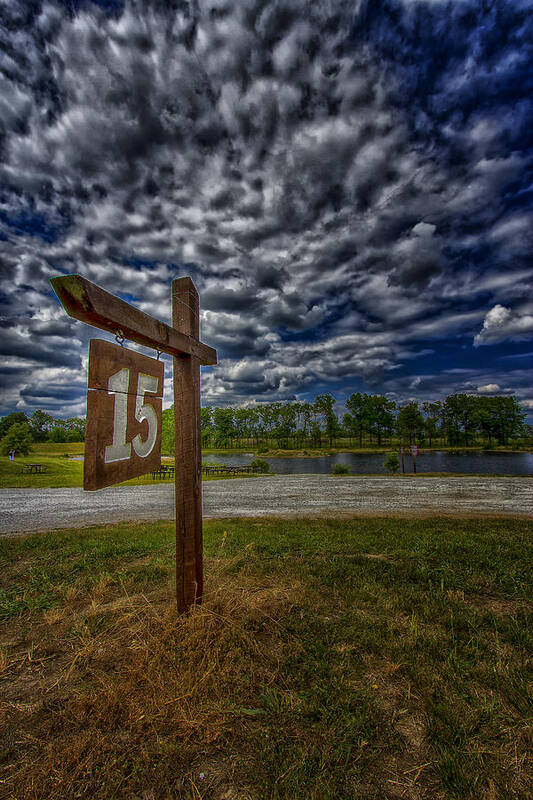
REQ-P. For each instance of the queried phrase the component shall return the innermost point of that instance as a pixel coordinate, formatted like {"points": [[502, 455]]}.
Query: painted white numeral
{"points": [[119, 450], [146, 383], [118, 384]]}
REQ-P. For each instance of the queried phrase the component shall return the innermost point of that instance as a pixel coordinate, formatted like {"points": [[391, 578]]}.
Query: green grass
{"points": [[56, 449], [66, 472], [344, 446], [61, 472], [332, 659]]}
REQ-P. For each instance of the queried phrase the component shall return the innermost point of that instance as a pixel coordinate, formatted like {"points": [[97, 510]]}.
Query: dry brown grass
{"points": [[336, 660], [122, 686]]}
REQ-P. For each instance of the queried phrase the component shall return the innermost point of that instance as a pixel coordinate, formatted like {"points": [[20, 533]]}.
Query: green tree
{"points": [[9, 420], [246, 423], [316, 434], [75, 427], [58, 432], [40, 425], [341, 469], [253, 423], [324, 405], [275, 419], [451, 415], [167, 431], [509, 419], [260, 464], [410, 422], [286, 424], [18, 438], [207, 426], [528, 435], [486, 418], [392, 462], [354, 421], [467, 416], [265, 416], [307, 416], [224, 427], [433, 412], [380, 413]]}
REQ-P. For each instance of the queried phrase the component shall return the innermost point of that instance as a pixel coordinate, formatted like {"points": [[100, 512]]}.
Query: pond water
{"points": [[484, 462]]}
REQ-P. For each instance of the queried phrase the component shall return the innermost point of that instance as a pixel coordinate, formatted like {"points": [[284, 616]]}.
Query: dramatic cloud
{"points": [[501, 323], [348, 184]]}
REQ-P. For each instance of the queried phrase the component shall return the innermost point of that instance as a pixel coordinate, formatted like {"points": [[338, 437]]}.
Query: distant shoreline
{"points": [[329, 451]]}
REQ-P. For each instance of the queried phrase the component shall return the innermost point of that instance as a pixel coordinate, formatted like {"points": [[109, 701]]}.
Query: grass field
{"points": [[331, 659], [66, 472], [345, 446]]}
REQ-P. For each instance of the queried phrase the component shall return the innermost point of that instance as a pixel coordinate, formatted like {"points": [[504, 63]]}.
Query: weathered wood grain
{"points": [[90, 303], [189, 546], [106, 359]]}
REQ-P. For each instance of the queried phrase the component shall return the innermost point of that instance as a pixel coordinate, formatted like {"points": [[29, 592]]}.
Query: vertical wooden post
{"points": [[189, 545]]}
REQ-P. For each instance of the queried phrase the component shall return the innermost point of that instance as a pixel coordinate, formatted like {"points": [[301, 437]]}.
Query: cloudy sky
{"points": [[348, 183]]}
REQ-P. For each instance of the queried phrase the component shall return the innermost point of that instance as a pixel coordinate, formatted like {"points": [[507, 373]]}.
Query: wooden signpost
{"points": [[124, 398]]}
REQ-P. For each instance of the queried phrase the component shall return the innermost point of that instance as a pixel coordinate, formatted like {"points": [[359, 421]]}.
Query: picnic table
{"points": [[34, 468], [223, 469], [164, 471]]}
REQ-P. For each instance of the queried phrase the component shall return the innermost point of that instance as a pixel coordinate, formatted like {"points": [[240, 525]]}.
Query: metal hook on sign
{"points": [[119, 337], [158, 351]]}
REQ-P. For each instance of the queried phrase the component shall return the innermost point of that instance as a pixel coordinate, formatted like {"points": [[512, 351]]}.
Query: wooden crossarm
{"points": [[89, 303]]}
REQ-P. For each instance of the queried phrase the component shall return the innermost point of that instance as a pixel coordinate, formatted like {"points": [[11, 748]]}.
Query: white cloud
{"points": [[501, 323], [489, 388]]}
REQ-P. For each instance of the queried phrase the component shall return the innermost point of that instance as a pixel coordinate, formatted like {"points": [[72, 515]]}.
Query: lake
{"points": [[481, 461]]}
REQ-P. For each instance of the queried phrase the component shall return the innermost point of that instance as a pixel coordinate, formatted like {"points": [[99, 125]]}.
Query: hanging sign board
{"points": [[124, 404], [123, 435]]}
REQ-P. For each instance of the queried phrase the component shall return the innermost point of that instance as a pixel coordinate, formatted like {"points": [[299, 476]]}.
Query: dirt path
{"points": [[23, 510]]}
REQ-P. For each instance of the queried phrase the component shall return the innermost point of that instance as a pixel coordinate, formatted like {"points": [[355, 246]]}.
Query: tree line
{"points": [[19, 432], [369, 420]]}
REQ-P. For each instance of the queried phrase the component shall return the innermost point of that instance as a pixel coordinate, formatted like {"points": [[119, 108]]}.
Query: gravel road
{"points": [[23, 510]]}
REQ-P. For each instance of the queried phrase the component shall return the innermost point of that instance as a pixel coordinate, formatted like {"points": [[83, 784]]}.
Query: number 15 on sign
{"points": [[124, 402]]}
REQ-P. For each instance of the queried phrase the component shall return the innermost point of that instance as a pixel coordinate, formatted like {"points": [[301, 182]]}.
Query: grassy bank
{"points": [[376, 658], [277, 452], [66, 472]]}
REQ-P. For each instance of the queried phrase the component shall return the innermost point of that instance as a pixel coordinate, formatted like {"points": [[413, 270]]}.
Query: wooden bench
{"points": [[34, 468]]}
